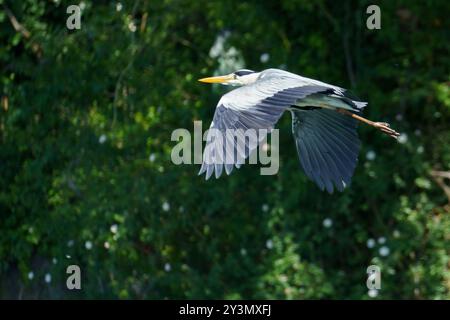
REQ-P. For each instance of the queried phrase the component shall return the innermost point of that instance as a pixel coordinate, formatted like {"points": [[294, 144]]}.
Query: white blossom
{"points": [[88, 245], [384, 251], [114, 228], [152, 157], [264, 57], [371, 243], [327, 223], [403, 138], [48, 278], [102, 139], [373, 293], [218, 46], [381, 240], [228, 57], [119, 6], [265, 207], [132, 26], [269, 244], [371, 155], [166, 206], [30, 275], [167, 267]]}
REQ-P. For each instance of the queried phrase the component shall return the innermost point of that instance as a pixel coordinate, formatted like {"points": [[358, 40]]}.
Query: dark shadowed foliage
{"points": [[86, 177]]}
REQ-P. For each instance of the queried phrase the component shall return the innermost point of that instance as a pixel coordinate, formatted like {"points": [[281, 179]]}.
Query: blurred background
{"points": [[86, 177]]}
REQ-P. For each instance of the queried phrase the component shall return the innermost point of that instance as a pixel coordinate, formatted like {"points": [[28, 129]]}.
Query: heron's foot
{"points": [[386, 129]]}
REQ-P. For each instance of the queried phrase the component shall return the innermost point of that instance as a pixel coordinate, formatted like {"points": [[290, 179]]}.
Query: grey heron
{"points": [[324, 121]]}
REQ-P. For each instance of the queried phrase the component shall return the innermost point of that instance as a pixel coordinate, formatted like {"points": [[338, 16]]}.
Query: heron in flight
{"points": [[324, 120]]}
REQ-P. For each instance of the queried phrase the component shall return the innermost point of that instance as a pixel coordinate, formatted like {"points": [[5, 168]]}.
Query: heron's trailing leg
{"points": [[382, 126]]}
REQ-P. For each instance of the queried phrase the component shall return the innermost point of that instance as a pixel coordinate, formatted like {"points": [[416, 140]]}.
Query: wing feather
{"points": [[327, 145], [256, 106]]}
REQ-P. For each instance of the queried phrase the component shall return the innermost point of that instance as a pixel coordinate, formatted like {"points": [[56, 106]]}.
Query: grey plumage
{"points": [[326, 141], [327, 145]]}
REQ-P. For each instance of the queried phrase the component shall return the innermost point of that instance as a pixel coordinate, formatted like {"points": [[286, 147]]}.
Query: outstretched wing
{"points": [[256, 106], [327, 145]]}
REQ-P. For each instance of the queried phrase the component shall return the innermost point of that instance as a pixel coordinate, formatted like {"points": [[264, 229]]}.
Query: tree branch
{"points": [[22, 30], [439, 177]]}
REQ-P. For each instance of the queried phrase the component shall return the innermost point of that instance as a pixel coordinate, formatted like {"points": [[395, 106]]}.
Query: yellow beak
{"points": [[219, 79]]}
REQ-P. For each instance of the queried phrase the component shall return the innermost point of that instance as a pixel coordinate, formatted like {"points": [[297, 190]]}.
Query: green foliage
{"points": [[86, 177]]}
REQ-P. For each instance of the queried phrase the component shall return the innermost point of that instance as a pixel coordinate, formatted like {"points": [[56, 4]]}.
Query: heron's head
{"points": [[238, 78]]}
